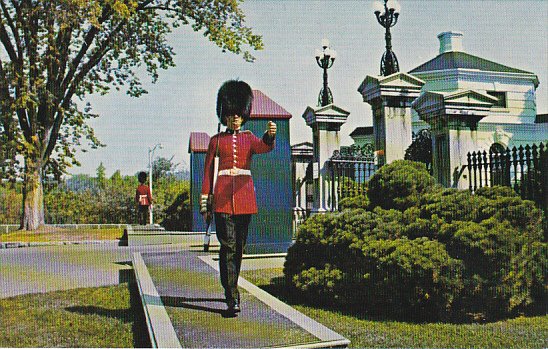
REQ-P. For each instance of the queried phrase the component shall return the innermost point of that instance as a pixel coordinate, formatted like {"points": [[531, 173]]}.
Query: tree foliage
{"points": [[421, 149], [163, 167], [10, 204], [101, 175], [53, 52], [356, 201]]}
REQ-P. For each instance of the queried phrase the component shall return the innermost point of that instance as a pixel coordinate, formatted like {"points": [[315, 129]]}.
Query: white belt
{"points": [[235, 172]]}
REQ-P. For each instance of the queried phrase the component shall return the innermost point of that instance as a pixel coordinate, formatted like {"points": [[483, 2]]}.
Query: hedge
{"points": [[428, 254]]}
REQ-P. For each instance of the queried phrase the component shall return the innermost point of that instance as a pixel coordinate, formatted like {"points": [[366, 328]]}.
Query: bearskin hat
{"points": [[142, 177], [234, 98]]}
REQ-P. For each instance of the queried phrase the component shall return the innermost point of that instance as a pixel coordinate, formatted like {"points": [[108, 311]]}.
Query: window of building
{"points": [[501, 96]]}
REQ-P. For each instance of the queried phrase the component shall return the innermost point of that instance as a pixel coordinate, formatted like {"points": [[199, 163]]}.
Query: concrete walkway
{"points": [[61, 267], [187, 285], [184, 303], [189, 288]]}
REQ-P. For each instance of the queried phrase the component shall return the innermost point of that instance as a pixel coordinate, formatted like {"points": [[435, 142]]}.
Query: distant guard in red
{"points": [[229, 194], [143, 198]]}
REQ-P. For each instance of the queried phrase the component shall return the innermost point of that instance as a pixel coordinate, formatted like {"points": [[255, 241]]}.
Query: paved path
{"points": [[58, 267], [193, 298], [189, 289]]}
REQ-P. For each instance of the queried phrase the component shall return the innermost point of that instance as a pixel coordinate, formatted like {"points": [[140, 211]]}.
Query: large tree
{"points": [[54, 52]]}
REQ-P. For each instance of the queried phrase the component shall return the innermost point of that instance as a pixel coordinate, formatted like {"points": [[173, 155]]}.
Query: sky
{"points": [[183, 100]]}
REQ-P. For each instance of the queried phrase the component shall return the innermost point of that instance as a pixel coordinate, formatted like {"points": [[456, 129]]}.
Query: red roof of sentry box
{"points": [[265, 108], [198, 142]]}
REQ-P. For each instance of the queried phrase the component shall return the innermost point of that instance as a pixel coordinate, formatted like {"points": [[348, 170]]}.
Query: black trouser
{"points": [[232, 234], [142, 214]]}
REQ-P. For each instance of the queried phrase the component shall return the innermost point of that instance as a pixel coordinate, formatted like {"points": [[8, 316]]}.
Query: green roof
{"points": [[462, 60]]}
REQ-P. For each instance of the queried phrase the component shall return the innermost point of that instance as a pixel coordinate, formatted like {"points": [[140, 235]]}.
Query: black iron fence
{"points": [[524, 168], [350, 168]]}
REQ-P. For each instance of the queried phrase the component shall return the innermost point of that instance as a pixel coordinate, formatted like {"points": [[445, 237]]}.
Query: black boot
{"points": [[237, 308], [233, 306]]}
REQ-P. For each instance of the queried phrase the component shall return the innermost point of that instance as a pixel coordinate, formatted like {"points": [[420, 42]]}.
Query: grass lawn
{"points": [[86, 317], [522, 332], [55, 234]]}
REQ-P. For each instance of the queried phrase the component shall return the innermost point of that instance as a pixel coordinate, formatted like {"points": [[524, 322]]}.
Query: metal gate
{"points": [[350, 168]]}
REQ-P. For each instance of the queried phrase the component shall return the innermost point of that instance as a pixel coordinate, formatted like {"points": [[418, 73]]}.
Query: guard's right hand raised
{"points": [[271, 129]]}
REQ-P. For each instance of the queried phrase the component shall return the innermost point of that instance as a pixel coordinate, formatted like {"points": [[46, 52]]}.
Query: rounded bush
{"points": [[399, 185], [453, 256], [352, 202]]}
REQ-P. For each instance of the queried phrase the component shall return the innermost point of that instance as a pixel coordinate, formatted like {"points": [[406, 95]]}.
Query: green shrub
{"points": [[399, 185], [417, 278], [319, 283], [498, 237], [506, 205], [434, 253], [352, 202], [173, 208], [348, 187], [362, 259], [10, 204], [351, 194]]}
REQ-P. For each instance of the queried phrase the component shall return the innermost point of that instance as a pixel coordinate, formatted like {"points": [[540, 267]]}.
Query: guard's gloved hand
{"points": [[206, 207], [271, 129], [270, 133]]}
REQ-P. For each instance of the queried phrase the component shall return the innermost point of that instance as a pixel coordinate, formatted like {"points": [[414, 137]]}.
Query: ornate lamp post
{"points": [[150, 156], [387, 12], [325, 59]]}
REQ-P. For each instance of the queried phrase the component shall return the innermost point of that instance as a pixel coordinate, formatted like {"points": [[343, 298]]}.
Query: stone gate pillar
{"points": [[453, 119], [326, 123], [390, 98]]}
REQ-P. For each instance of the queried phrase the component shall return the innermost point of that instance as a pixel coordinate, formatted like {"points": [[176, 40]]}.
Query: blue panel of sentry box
{"points": [[271, 229], [197, 148]]}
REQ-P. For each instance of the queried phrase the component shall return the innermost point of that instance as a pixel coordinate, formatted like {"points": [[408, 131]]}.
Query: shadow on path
{"points": [[187, 303]]}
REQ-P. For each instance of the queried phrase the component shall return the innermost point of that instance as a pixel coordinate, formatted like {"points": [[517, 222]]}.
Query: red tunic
{"points": [[233, 194], [142, 195]]}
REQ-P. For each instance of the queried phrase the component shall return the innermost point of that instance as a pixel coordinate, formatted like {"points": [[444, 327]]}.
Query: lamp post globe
{"points": [[378, 6]]}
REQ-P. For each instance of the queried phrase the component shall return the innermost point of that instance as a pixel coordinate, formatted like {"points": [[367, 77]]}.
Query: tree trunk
{"points": [[33, 196]]}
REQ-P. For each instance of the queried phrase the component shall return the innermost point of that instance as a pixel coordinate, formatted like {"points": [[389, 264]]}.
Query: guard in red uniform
{"points": [[143, 198], [233, 201]]}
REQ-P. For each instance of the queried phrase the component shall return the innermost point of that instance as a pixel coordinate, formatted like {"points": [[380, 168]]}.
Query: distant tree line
{"points": [[84, 199]]}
